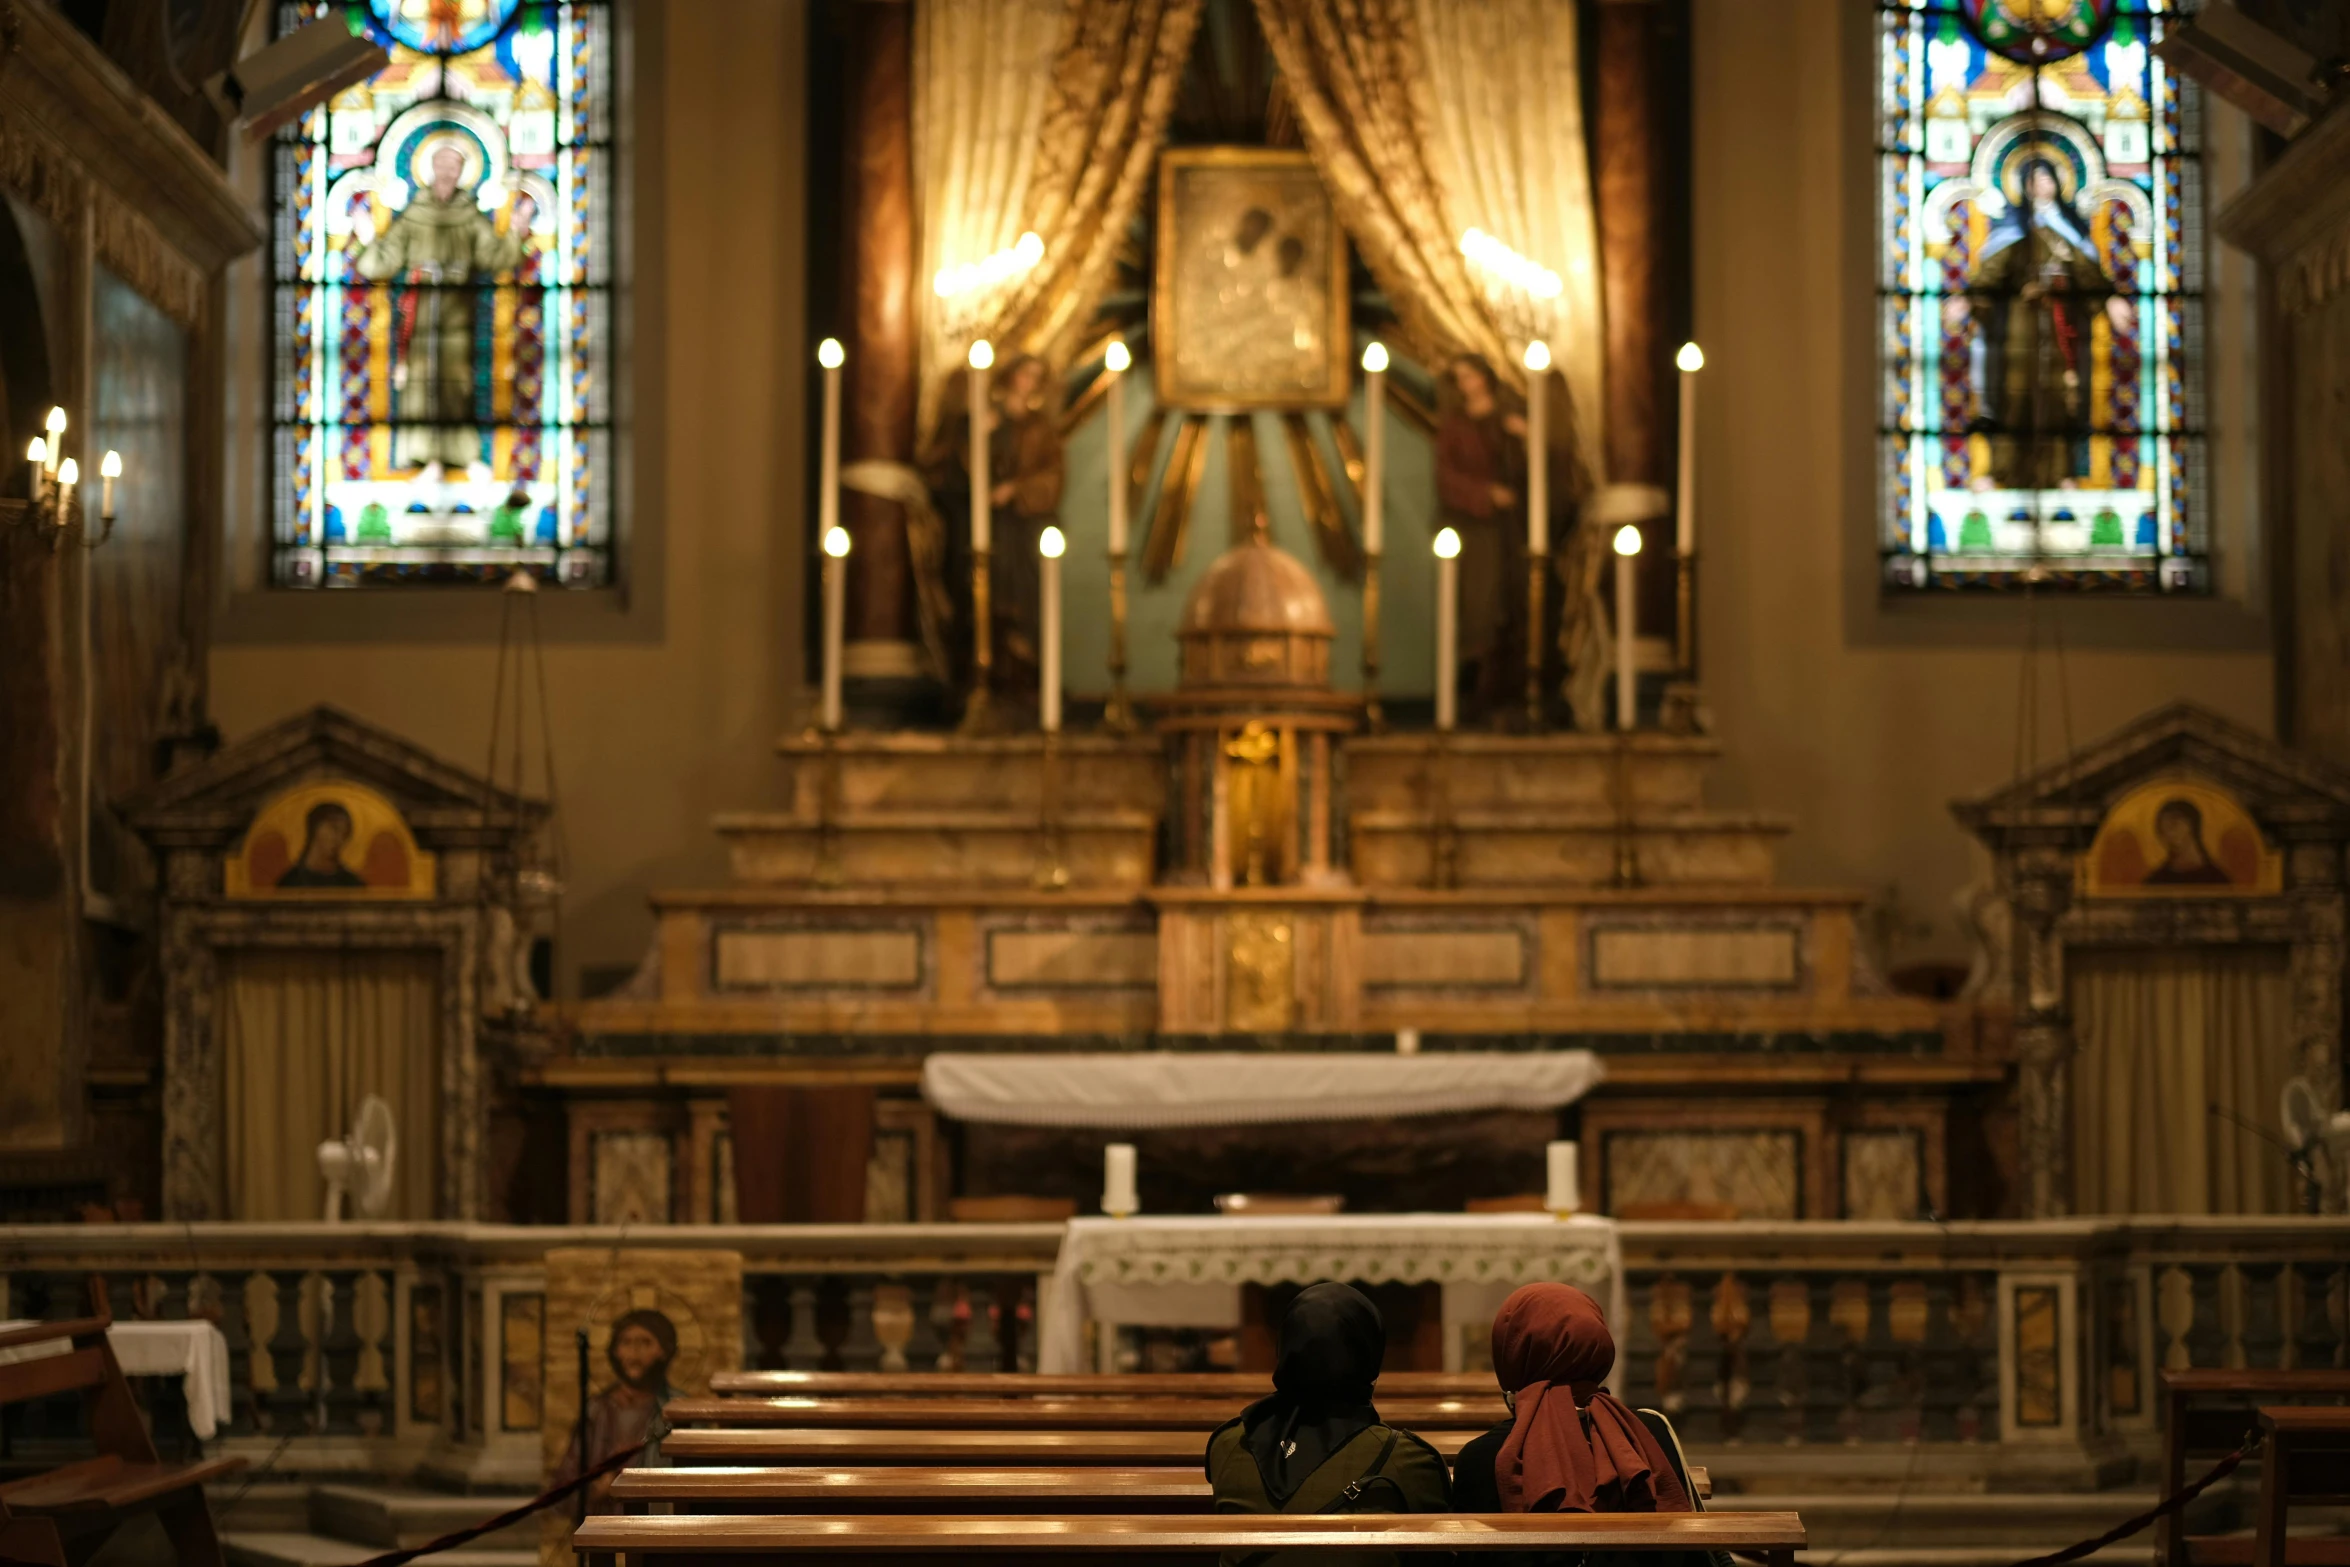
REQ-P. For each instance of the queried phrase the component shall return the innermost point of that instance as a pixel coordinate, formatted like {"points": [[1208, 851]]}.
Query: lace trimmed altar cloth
{"points": [[1138, 1089], [1187, 1271], [194, 1351]]}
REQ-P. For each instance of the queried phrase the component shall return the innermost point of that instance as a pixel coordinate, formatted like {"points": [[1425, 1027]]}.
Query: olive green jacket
{"points": [[1411, 1479]]}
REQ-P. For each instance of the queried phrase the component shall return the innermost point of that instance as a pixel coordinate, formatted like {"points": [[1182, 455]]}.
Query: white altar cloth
{"points": [[196, 1352], [1187, 1271], [1232, 1088]]}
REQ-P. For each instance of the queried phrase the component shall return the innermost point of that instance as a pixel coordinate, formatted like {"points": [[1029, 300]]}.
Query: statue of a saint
{"points": [[438, 250], [1024, 466], [1481, 495], [2034, 293]]}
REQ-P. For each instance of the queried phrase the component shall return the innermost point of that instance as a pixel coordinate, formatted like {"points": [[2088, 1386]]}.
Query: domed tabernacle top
{"points": [[1256, 587]]}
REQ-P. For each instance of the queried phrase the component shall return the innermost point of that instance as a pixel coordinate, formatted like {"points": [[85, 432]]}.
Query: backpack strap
{"points": [[1346, 1500]]}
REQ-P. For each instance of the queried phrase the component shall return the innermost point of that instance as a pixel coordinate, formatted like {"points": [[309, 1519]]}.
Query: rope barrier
{"points": [[2162, 1509], [512, 1515]]}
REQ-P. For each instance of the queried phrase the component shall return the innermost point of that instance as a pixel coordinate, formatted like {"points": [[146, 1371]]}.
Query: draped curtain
{"points": [[1430, 117], [2182, 1057], [305, 1036], [1043, 116]]}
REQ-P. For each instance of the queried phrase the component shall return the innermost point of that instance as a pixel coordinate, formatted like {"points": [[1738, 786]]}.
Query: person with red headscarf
{"points": [[1570, 1446]]}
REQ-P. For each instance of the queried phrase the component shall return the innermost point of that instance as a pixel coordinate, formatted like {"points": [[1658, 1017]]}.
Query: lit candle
{"points": [[1691, 359], [69, 474], [36, 452], [109, 470], [982, 509], [830, 356], [1374, 447], [1051, 545], [1564, 1193], [56, 427], [1119, 1198], [1627, 687], [1115, 360], [1448, 625], [1537, 449], [836, 576]]}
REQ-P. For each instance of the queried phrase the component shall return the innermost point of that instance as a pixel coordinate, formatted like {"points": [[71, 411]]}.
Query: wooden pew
{"points": [[908, 1489], [2206, 1414], [962, 1449], [79, 1505], [2304, 1462], [835, 1541], [1238, 1385], [1037, 1414]]}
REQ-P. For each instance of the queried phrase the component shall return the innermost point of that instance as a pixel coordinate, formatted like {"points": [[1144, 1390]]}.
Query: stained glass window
{"points": [[2040, 298], [442, 310]]}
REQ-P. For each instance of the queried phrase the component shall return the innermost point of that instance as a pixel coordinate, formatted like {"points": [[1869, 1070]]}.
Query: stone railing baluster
{"points": [[1734, 1321], [289, 1355], [2263, 1334], [2205, 1338], [1701, 1361], [860, 1346], [338, 1352], [802, 1349], [924, 1348], [1823, 1363], [2317, 1341]]}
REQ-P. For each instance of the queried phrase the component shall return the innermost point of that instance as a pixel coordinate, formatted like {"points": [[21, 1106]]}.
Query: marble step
{"points": [[284, 1549], [1093, 846], [1894, 1517], [862, 772], [390, 1517], [1564, 847], [1550, 772]]}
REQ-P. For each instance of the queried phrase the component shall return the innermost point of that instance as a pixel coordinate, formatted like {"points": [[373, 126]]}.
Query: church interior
{"points": [[775, 775]]}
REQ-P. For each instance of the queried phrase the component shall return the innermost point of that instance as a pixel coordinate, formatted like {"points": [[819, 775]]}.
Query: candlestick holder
{"points": [[979, 705], [1537, 584], [1118, 715], [1627, 866], [1374, 716], [828, 873], [1052, 873], [1685, 613]]}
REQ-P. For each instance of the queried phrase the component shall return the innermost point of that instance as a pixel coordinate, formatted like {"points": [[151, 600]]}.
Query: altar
{"points": [[1190, 1272]]}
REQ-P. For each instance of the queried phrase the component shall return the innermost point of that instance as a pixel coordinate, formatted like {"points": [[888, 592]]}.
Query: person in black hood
{"points": [[1317, 1445]]}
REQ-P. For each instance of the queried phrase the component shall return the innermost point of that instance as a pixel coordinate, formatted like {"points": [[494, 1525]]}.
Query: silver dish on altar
{"points": [[1258, 1205]]}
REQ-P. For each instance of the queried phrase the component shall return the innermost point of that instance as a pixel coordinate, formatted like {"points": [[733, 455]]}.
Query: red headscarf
{"points": [[1551, 1347]]}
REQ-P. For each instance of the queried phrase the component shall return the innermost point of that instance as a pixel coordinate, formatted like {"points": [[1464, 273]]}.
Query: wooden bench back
{"points": [[2208, 1413], [1036, 1414], [80, 1366], [1242, 1386], [983, 1449]]}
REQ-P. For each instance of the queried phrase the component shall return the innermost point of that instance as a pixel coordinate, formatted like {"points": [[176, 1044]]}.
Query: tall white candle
{"points": [[109, 470], [1448, 625], [1119, 1197], [836, 576], [1627, 683], [1563, 1191], [1374, 447], [1050, 545], [831, 357], [37, 453], [982, 509], [1537, 449], [1690, 360], [1115, 360]]}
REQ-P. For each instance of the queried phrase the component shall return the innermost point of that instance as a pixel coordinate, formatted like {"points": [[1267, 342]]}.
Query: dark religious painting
{"points": [[2040, 298], [442, 301]]}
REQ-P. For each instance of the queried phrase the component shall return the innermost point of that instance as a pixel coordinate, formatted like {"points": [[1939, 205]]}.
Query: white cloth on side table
{"points": [[1235, 1088], [196, 1352], [1187, 1272]]}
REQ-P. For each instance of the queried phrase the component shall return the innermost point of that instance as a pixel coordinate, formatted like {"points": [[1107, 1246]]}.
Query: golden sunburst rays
{"points": [[1317, 497], [1162, 550], [1246, 478], [1328, 486]]}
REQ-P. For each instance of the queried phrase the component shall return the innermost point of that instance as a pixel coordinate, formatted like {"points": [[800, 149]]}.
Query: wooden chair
{"points": [[82, 1503], [2207, 1414], [2304, 1462], [1022, 1414], [1063, 1541]]}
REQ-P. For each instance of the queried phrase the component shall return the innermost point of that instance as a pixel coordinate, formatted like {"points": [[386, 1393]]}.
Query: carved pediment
{"points": [[211, 805]]}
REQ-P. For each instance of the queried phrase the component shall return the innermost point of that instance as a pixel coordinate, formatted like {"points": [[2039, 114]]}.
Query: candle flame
{"points": [[1375, 358], [37, 451], [1448, 544], [1627, 540], [69, 473], [1051, 544], [1538, 356], [982, 354], [830, 354], [56, 424], [1691, 358], [110, 466], [836, 542], [1115, 358]]}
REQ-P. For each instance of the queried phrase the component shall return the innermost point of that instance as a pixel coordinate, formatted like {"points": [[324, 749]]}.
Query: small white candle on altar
{"points": [[831, 357], [109, 470], [1448, 625], [1537, 449], [1115, 361], [1563, 1192], [1690, 360], [1627, 685], [982, 508], [1051, 546], [1119, 1197], [1407, 1041], [1374, 447], [836, 576]]}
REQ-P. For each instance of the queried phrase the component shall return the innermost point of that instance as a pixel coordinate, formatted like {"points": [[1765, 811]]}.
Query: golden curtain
{"points": [[1431, 117], [305, 1035], [2181, 1059], [1041, 115]]}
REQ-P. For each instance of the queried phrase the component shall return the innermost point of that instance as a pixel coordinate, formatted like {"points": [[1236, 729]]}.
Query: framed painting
{"points": [[2180, 837], [332, 840], [1248, 301]]}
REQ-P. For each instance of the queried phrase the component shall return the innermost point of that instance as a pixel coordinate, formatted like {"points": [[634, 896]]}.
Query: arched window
{"points": [[2040, 291], [442, 307]]}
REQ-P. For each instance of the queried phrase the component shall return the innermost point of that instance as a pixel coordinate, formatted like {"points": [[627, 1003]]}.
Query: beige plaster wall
{"points": [[654, 735], [1859, 723]]}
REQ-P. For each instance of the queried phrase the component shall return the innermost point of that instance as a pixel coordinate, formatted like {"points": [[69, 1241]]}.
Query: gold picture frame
{"points": [[1249, 301]]}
